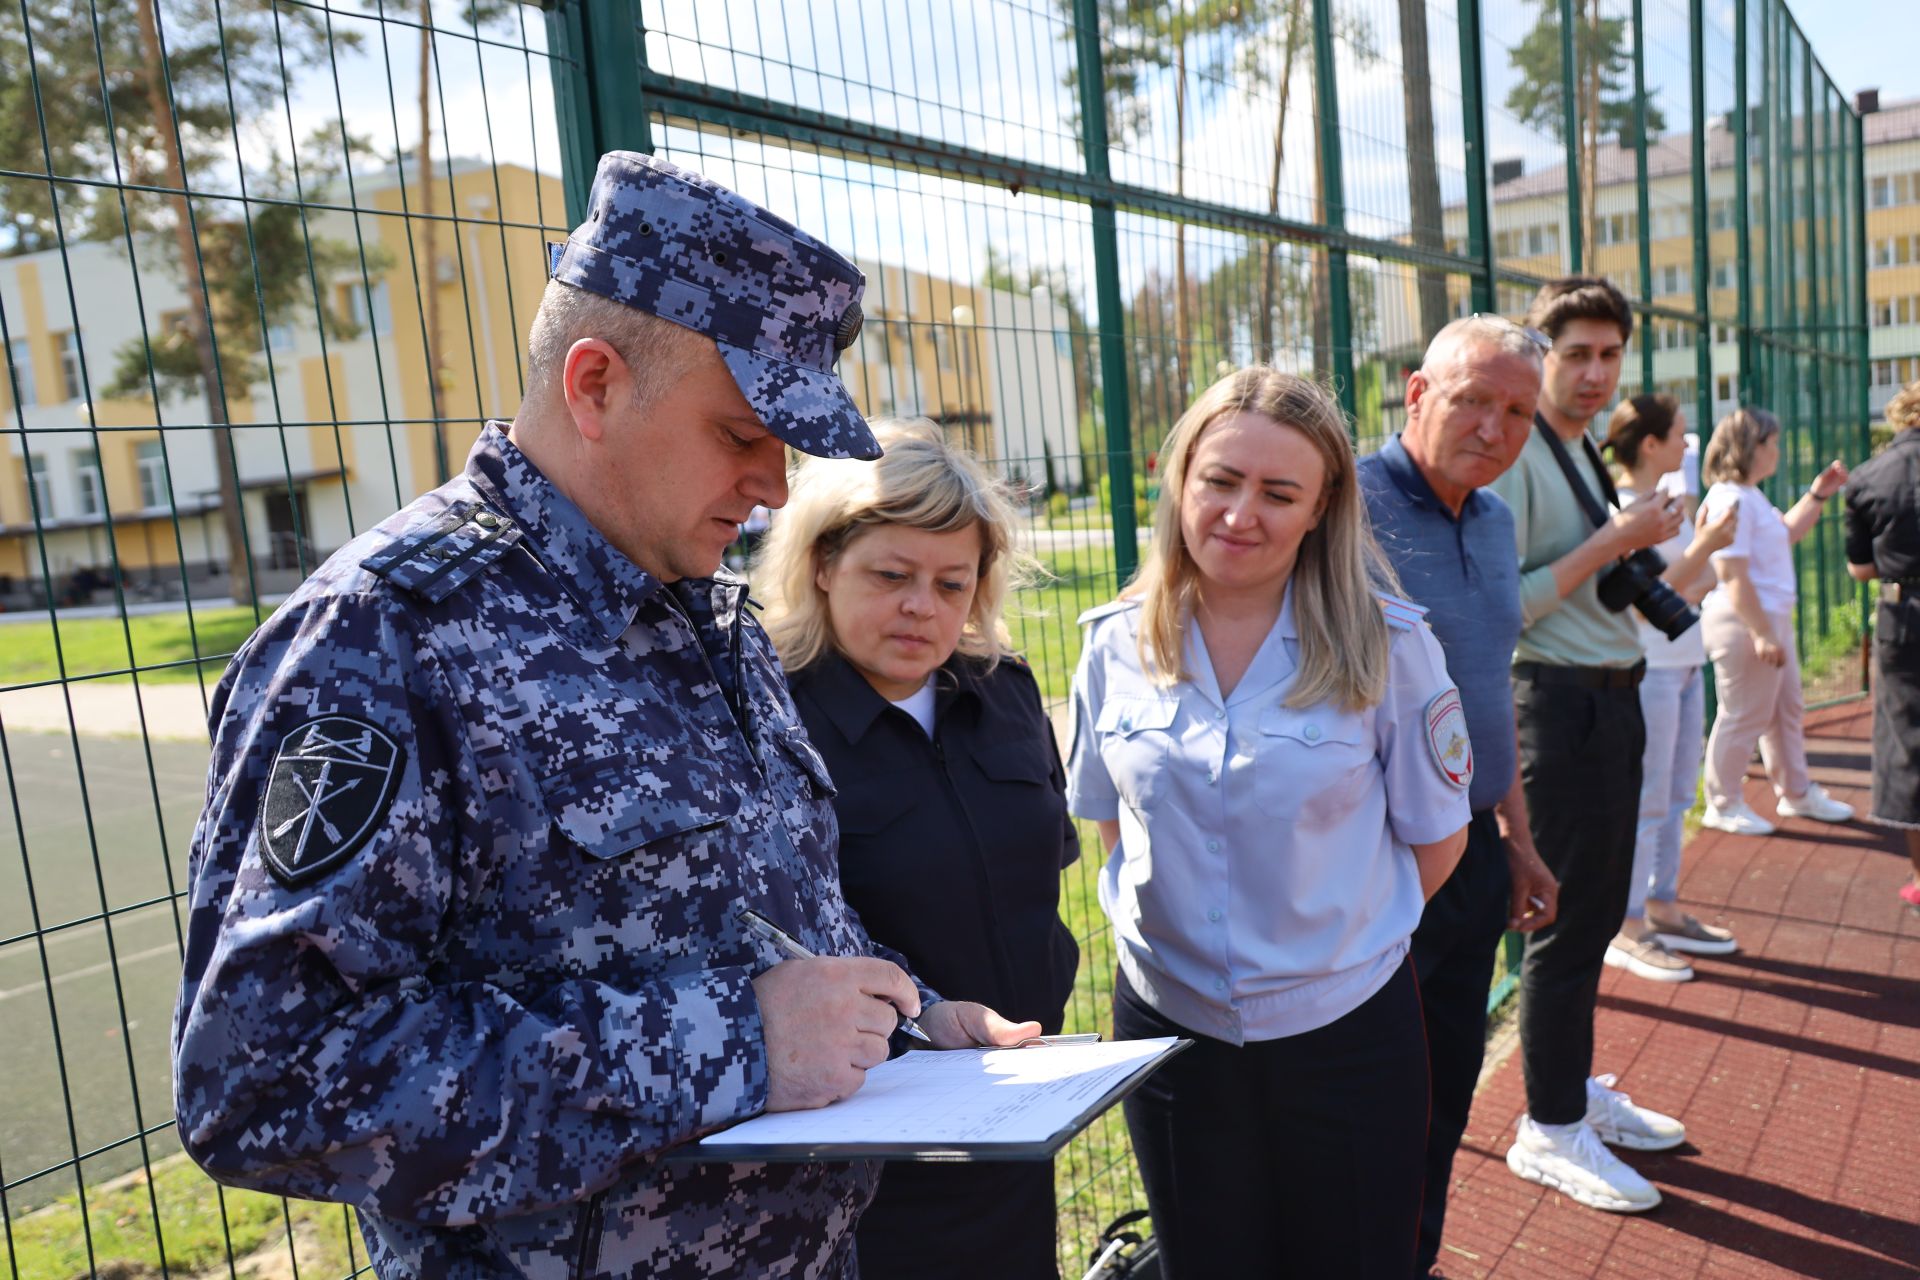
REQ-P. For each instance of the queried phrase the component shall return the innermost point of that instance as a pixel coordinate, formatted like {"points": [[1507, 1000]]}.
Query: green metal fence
{"points": [[265, 265]]}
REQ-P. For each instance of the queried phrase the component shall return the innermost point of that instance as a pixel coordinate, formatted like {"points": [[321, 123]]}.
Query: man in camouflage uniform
{"points": [[488, 791]]}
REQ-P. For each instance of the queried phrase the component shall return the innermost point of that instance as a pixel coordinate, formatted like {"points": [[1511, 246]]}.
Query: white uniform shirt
{"points": [[1688, 649], [1262, 885], [1763, 540]]}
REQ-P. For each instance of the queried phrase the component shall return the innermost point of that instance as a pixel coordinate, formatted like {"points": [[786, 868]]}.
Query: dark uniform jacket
{"points": [[484, 801], [1883, 530], [951, 849]]}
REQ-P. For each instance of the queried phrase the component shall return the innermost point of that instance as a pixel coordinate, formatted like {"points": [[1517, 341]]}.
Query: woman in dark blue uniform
{"points": [[884, 584], [1883, 542]]}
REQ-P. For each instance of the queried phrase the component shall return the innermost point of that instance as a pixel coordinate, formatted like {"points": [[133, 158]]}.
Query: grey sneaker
{"points": [[1694, 937], [1646, 958]]}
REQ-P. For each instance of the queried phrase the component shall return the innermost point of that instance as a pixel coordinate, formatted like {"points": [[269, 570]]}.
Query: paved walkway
{"points": [[1795, 1063]]}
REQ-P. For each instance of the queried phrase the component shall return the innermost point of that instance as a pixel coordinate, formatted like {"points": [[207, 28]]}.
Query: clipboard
{"points": [[984, 1094]]}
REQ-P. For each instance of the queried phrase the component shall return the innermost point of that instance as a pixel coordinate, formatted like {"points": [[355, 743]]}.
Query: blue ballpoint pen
{"points": [[794, 950]]}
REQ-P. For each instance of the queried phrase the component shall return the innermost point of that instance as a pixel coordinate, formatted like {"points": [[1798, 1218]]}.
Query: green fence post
{"points": [[1570, 121], [1644, 205], [1702, 266], [1339, 295], [599, 65], [1473, 110], [1810, 326], [1742, 197], [1115, 408]]}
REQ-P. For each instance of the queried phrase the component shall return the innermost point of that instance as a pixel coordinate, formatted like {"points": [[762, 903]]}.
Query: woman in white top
{"points": [[1647, 438], [1278, 765], [1748, 625]]}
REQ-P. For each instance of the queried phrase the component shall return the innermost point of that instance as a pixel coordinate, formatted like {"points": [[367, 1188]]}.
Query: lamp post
{"points": [[962, 317]]}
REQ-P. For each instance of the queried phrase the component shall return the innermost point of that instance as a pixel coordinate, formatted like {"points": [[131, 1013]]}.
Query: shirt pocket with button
{"points": [[615, 807], [1137, 736], [1311, 764]]}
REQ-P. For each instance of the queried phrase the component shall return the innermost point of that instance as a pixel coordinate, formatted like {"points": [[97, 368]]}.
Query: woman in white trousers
{"points": [[1647, 438], [1747, 623]]}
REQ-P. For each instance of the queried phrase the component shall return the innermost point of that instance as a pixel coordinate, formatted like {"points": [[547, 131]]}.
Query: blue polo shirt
{"points": [[1465, 573]]}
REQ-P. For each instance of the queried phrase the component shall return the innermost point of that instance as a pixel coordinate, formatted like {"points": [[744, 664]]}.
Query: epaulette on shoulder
{"points": [[1402, 615], [1107, 610], [437, 558]]}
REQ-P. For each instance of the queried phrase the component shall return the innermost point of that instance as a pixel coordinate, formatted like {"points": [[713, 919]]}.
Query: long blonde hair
{"points": [[921, 482], [1343, 635]]}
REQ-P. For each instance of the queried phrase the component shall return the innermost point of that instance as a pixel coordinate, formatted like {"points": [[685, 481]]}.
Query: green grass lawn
{"points": [[201, 1227], [164, 646]]}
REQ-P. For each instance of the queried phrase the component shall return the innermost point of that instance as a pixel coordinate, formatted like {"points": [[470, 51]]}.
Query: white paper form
{"points": [[936, 1097]]}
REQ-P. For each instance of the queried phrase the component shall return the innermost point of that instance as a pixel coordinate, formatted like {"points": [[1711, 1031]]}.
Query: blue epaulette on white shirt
{"points": [[1402, 615]]}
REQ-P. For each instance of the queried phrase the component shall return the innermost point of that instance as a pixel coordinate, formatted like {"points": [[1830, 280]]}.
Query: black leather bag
{"points": [[1123, 1254]]}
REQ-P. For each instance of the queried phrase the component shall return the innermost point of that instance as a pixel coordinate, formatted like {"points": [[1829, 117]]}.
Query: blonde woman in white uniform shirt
{"points": [[1748, 625], [1278, 765]]}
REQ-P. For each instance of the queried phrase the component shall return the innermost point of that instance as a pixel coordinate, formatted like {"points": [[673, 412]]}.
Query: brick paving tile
{"points": [[1795, 1063]]}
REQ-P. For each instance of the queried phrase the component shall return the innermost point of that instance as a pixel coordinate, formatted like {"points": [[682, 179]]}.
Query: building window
{"points": [[1883, 373], [943, 348], [1671, 279], [378, 316], [20, 356], [1723, 275], [151, 460], [280, 336], [86, 477], [42, 486], [1723, 387], [69, 350]]}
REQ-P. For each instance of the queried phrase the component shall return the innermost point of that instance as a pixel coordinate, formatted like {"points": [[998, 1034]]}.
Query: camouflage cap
{"points": [[780, 305]]}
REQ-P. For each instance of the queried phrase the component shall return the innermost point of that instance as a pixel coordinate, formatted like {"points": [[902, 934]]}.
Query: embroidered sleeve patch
{"points": [[1447, 738], [332, 782]]}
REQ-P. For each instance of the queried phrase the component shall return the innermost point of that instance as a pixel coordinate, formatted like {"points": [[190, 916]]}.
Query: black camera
{"points": [[1636, 581]]}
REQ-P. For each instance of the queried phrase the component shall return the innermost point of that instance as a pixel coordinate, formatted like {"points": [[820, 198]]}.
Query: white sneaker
{"points": [[1579, 1167], [1615, 1120], [1816, 804], [1737, 819]]}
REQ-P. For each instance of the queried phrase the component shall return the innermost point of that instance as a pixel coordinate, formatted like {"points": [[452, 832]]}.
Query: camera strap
{"points": [[1593, 509]]}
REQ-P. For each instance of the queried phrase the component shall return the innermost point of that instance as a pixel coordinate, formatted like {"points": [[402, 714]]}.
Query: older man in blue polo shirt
{"points": [[1469, 411]]}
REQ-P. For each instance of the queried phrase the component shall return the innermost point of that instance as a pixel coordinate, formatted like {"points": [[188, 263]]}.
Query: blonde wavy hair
{"points": [[921, 482], [1343, 635], [1903, 411], [1729, 454]]}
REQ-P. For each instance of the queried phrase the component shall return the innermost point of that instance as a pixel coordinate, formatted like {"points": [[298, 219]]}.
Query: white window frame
{"points": [[21, 352], [151, 460], [87, 488], [69, 348], [41, 484]]}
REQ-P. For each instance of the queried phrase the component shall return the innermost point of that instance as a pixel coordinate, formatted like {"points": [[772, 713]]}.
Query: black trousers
{"points": [[960, 1222], [1580, 755], [1453, 953], [1293, 1157]]}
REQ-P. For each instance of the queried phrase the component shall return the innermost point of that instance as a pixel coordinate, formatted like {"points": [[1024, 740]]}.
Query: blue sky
{"points": [[1851, 39]]}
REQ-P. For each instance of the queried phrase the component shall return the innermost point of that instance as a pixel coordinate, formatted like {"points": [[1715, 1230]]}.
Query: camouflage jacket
{"points": [[484, 800]]}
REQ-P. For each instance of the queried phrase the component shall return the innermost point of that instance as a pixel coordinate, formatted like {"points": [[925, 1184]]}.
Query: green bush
{"points": [[1057, 505]]}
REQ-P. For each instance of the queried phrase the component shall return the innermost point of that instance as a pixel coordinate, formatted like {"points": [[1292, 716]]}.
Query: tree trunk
{"points": [[1182, 333], [240, 573], [1423, 176], [1269, 267], [429, 234]]}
